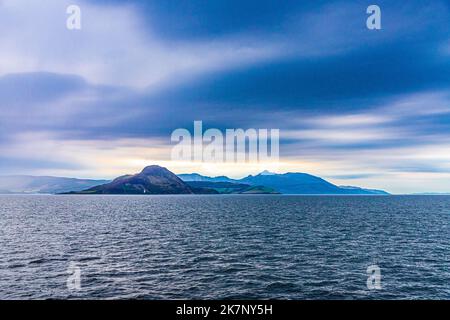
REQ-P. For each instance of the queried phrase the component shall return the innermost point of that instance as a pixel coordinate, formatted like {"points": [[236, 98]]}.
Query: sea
{"points": [[224, 247]]}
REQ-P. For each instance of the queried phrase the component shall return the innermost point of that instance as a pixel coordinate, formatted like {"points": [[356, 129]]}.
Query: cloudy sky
{"points": [[353, 105]]}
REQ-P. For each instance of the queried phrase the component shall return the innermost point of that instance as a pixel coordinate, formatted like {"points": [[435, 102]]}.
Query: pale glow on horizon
{"points": [[99, 159]]}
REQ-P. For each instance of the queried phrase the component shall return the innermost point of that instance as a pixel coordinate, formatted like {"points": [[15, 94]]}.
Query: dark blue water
{"points": [[203, 247]]}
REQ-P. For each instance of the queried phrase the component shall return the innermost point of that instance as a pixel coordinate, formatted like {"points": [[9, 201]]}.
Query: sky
{"points": [[355, 106]]}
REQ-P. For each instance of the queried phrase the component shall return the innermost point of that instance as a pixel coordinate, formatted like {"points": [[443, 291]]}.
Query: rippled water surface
{"points": [[203, 247]]}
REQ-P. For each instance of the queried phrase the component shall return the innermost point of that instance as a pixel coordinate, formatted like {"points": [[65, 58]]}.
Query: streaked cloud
{"points": [[112, 47], [372, 108]]}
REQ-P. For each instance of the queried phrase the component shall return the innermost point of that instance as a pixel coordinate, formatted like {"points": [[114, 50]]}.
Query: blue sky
{"points": [[355, 106]]}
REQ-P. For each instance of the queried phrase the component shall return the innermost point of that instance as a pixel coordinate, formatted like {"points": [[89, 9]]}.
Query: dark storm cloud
{"points": [[328, 82], [190, 20], [205, 19]]}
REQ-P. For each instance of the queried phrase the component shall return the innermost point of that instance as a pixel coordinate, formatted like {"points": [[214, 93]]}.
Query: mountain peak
{"points": [[151, 180], [267, 173], [154, 169]]}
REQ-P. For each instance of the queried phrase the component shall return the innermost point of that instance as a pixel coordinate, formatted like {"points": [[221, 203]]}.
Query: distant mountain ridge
{"points": [[23, 184], [358, 190], [159, 180], [231, 187], [288, 183], [199, 177]]}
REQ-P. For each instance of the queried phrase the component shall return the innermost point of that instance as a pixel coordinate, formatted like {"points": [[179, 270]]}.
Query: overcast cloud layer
{"points": [[356, 106]]}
